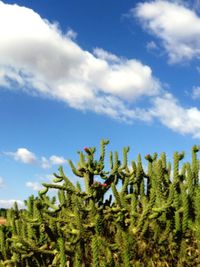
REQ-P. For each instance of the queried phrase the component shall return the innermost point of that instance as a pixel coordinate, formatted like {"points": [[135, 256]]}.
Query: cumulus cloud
{"points": [[39, 58], [36, 57], [34, 185], [6, 204], [23, 155], [177, 26], [170, 113]]}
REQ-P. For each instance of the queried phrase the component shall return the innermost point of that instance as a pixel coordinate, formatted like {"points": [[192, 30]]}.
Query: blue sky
{"points": [[74, 72]]}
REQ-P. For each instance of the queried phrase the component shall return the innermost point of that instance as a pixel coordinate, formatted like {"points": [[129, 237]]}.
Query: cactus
{"points": [[150, 218]]}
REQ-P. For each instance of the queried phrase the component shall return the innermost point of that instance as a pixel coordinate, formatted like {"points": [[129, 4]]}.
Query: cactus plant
{"points": [[150, 218]]}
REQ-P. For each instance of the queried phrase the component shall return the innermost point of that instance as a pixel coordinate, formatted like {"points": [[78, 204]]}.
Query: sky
{"points": [[75, 72]]}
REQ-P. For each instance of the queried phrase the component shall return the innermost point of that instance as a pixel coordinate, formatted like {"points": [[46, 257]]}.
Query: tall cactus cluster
{"points": [[150, 218]]}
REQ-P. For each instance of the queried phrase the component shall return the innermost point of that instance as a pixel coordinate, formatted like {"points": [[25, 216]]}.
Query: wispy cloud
{"points": [[47, 163], [151, 46], [34, 185], [196, 92], [177, 26], [71, 34]]}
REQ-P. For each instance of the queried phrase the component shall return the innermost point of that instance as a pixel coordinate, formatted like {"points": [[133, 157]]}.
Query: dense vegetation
{"points": [[151, 218]]}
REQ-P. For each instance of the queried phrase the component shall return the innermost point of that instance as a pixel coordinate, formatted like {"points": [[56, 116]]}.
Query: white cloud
{"points": [[151, 46], [34, 185], [175, 24], [114, 108], [35, 56], [9, 203], [171, 114], [56, 160], [71, 34], [45, 164], [39, 58], [23, 155], [105, 55], [28, 157], [196, 92]]}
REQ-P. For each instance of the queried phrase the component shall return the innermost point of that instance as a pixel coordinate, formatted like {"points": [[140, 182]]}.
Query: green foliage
{"points": [[151, 218]]}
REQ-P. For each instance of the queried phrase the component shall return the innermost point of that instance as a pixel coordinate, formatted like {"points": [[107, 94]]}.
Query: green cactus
{"points": [[149, 218]]}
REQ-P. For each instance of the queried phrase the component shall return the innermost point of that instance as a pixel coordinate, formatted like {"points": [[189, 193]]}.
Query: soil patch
{"points": [[2, 220]]}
